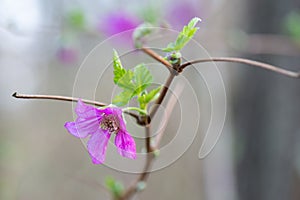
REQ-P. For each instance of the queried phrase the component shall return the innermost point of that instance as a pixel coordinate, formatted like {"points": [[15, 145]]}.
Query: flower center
{"points": [[110, 123]]}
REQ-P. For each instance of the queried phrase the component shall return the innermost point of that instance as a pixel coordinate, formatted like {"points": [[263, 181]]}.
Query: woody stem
{"points": [[70, 99]]}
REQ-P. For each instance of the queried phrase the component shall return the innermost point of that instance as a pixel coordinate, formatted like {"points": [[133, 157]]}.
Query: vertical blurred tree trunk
{"points": [[267, 112]]}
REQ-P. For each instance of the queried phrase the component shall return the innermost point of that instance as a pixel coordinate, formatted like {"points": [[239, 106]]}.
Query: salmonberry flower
{"points": [[101, 124], [118, 22], [121, 23]]}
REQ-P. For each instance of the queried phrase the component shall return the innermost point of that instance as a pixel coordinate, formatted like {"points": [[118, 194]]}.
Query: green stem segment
{"points": [[141, 111]]}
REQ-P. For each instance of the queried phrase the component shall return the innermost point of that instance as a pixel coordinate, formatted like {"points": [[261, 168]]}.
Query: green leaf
{"points": [[122, 77], [142, 77], [114, 186], [152, 95], [126, 81], [133, 83], [123, 98], [146, 98], [184, 36], [119, 71]]}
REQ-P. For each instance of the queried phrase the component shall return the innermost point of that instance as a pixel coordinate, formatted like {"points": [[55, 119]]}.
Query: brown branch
{"points": [[162, 95], [173, 73], [133, 188], [169, 108], [56, 97], [70, 99], [158, 58], [243, 61]]}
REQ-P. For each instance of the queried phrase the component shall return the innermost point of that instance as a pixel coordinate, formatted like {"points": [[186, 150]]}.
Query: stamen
{"points": [[110, 123]]}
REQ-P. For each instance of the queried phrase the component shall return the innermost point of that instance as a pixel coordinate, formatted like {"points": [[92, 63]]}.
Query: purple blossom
{"points": [[180, 13], [119, 22], [100, 124]]}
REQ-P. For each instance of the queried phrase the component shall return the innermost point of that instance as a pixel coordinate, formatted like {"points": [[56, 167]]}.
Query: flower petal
{"points": [[111, 111], [87, 122], [125, 145], [82, 127], [97, 145], [118, 22], [85, 111], [71, 127]]}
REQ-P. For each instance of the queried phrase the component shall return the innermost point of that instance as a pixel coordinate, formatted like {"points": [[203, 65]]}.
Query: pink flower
{"points": [[121, 23], [181, 12], [101, 124], [118, 22]]}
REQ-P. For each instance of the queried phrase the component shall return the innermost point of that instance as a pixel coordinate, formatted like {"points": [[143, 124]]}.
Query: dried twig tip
{"points": [[15, 94]]}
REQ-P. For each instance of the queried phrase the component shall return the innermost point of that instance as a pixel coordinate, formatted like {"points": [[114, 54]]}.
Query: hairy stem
{"points": [[243, 61]]}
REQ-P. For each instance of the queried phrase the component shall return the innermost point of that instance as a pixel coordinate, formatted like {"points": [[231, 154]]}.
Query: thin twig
{"points": [[148, 136], [244, 61], [70, 99], [157, 57], [133, 188], [162, 95], [56, 97], [169, 108]]}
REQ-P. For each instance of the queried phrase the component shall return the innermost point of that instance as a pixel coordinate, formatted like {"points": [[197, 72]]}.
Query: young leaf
{"points": [[152, 95], [148, 97], [114, 186], [123, 98], [184, 36], [133, 83], [119, 71], [142, 77], [126, 81]]}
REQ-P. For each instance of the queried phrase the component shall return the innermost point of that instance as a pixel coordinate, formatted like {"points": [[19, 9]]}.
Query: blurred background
{"points": [[43, 44]]}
